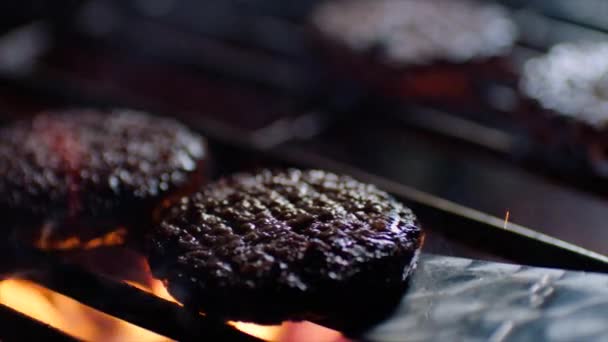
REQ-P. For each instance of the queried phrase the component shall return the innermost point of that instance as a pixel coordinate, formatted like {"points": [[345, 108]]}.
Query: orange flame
{"points": [[290, 332], [88, 324], [155, 287], [286, 332], [113, 238], [506, 219], [68, 315], [264, 332]]}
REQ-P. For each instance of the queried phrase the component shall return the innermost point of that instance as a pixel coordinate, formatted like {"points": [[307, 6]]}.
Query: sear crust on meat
{"points": [[418, 32], [279, 245], [92, 170], [429, 51]]}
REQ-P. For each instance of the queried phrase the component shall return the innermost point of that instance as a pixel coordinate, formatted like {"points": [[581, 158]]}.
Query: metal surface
{"points": [[487, 232], [468, 176], [454, 299]]}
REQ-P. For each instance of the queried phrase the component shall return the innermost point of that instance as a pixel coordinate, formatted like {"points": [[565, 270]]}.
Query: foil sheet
{"points": [[454, 299]]}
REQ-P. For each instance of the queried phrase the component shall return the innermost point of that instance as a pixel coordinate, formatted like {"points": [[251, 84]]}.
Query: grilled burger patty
{"points": [[568, 87], [90, 169], [417, 50], [292, 244], [414, 32], [571, 80]]}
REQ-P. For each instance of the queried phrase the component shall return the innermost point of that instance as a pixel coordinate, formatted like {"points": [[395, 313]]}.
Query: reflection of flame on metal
{"points": [[68, 315], [113, 238]]}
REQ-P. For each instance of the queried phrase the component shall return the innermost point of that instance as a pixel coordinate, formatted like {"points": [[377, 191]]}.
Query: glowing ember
{"points": [[114, 238], [68, 315]]}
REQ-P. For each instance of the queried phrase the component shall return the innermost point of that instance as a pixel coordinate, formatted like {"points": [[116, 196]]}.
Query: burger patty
{"points": [[91, 170], [568, 89], [428, 51], [418, 32], [571, 80], [284, 245]]}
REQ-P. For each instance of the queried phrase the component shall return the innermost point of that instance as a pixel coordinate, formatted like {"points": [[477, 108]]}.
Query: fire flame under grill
{"points": [[88, 324], [113, 238], [68, 315]]}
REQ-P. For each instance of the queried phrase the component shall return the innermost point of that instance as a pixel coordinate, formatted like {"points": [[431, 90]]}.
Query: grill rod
{"points": [[119, 299], [19, 327], [464, 224]]}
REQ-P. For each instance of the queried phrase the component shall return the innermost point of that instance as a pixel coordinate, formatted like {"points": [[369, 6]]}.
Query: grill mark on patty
{"points": [[276, 232], [94, 169]]}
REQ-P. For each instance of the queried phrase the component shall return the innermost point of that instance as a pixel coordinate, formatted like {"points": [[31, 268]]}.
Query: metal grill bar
{"points": [[19, 327], [466, 224], [120, 299]]}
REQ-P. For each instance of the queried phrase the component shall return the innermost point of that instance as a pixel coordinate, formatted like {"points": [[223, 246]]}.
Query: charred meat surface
{"points": [[81, 172], [416, 32], [568, 87], [279, 245], [572, 80], [418, 50]]}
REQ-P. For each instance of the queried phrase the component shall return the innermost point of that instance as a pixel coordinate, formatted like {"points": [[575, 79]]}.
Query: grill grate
{"points": [[120, 299]]}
